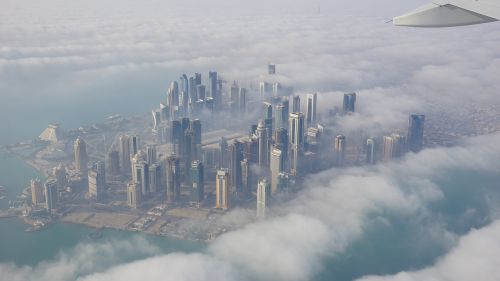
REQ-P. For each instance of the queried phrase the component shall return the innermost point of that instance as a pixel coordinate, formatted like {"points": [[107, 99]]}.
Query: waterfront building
{"points": [[222, 189], [37, 192], [81, 158], [173, 179], [276, 167], [370, 151], [51, 195], [263, 197], [416, 132], [311, 112], [197, 192], [349, 104], [52, 133], [340, 147], [134, 195]]}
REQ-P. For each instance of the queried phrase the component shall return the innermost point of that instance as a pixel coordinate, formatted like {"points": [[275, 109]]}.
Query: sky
{"points": [[74, 53]]}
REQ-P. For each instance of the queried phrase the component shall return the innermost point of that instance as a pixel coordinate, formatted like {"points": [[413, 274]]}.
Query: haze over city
{"points": [[246, 140]]}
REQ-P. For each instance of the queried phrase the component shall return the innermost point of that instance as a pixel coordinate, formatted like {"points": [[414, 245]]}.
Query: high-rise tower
{"points": [[416, 132], [263, 195], [81, 160], [349, 104], [263, 145], [311, 113], [340, 147], [222, 189]]}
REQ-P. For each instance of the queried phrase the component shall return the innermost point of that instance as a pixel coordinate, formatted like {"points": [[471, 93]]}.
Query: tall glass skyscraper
{"points": [[416, 132]]}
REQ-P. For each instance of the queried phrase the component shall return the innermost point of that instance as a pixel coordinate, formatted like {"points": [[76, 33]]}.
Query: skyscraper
{"points": [[246, 178], [201, 92], [223, 156], [151, 154], [51, 195], [173, 173], [156, 120], [114, 163], [134, 145], [277, 167], [125, 153], [234, 98], [370, 151], [296, 129], [59, 173], [349, 103], [173, 96], [340, 147], [80, 149], [37, 192], [276, 89], [134, 195], [263, 196], [263, 145], [97, 181], [278, 119], [312, 100], [196, 127], [235, 158], [296, 104], [296, 141], [140, 174], [416, 132], [271, 68], [394, 146], [184, 93], [242, 102], [281, 141], [155, 178], [222, 189], [197, 192], [213, 88]]}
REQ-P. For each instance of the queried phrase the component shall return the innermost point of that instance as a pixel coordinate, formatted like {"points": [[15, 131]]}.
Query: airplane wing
{"points": [[445, 13]]}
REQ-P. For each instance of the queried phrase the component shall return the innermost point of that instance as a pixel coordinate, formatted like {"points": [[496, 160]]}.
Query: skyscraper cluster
{"points": [[286, 140]]}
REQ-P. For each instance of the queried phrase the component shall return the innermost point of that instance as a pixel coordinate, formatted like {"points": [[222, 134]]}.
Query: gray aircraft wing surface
{"points": [[446, 13]]}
